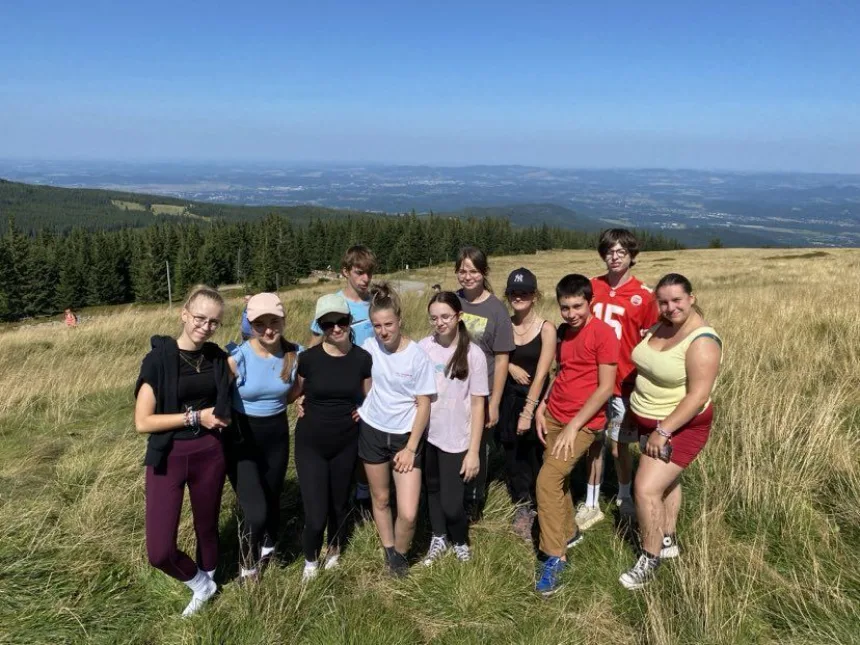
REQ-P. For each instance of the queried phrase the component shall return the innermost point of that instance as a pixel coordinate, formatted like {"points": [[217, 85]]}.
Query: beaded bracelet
{"points": [[662, 432]]}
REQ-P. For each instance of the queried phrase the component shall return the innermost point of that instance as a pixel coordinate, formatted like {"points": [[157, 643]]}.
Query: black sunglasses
{"points": [[343, 323]]}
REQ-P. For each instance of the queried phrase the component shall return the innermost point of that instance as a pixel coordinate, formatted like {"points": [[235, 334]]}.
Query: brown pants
{"points": [[555, 505]]}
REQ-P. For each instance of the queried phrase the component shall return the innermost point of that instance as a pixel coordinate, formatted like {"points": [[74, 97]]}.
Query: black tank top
{"points": [[527, 356]]}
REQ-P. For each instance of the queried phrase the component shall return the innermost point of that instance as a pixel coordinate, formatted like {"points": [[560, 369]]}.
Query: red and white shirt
{"points": [[630, 310]]}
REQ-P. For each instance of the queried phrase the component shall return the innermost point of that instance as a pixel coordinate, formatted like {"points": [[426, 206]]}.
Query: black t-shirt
{"points": [[196, 390], [333, 384]]}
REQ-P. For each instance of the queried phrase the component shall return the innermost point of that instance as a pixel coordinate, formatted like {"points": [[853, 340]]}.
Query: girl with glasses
{"points": [[182, 404], [456, 425], [333, 376], [490, 328], [258, 449]]}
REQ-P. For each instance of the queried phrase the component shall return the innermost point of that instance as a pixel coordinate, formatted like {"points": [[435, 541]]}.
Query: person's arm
{"points": [[547, 353], [472, 460], [501, 360], [702, 363], [234, 368], [296, 390], [404, 461], [146, 421], [605, 386]]}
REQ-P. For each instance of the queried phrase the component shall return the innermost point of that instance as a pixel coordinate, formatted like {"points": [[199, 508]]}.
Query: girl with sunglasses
{"points": [[182, 404], [456, 425], [258, 449], [334, 377]]}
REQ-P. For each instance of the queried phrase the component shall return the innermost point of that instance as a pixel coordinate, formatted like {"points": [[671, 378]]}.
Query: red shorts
{"points": [[688, 440]]}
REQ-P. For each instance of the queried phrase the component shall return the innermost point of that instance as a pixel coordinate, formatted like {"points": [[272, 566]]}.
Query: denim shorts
{"points": [[620, 426]]}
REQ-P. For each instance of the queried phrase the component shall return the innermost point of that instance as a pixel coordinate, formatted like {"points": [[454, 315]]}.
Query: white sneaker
{"points": [[463, 553], [310, 571], [641, 574], [670, 548], [438, 547], [580, 512], [332, 561], [589, 518], [203, 589]]}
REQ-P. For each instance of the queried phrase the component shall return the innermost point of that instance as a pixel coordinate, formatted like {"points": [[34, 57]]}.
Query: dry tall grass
{"points": [[771, 517]]}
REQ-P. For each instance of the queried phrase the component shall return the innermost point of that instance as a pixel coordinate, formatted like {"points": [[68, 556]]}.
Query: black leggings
{"points": [[325, 463], [445, 493], [258, 451], [523, 459]]}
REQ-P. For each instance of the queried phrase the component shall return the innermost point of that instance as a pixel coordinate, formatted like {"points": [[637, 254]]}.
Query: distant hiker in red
{"points": [[70, 318]]}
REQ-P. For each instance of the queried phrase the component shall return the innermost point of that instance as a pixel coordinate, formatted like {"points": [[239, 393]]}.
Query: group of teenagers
{"points": [[375, 407]]}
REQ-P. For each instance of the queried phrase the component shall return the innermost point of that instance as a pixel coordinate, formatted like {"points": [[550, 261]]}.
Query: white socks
{"points": [[624, 491], [592, 495], [211, 574], [266, 551], [244, 573], [202, 588], [310, 571]]}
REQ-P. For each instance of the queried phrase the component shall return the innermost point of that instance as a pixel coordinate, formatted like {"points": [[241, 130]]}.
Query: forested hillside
{"points": [[36, 208], [44, 273]]}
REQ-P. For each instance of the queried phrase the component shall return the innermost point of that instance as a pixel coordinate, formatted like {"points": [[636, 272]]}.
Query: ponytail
{"points": [[458, 366], [290, 351]]}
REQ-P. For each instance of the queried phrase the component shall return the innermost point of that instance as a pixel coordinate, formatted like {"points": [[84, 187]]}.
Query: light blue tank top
{"points": [[260, 391]]}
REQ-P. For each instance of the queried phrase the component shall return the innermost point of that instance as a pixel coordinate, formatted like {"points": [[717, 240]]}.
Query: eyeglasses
{"points": [[202, 322], [327, 325], [445, 318], [620, 253]]}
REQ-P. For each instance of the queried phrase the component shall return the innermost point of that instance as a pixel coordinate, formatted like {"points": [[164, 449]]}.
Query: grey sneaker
{"points": [[641, 574], [438, 547], [626, 508], [463, 553]]}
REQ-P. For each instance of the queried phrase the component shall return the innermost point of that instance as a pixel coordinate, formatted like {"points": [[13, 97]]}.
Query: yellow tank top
{"points": [[661, 377]]}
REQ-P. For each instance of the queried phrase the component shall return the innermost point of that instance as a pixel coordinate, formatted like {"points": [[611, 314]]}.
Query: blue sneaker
{"points": [[548, 583]]}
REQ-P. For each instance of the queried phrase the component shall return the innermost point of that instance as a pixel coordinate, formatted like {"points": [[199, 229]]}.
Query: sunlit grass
{"points": [[770, 525]]}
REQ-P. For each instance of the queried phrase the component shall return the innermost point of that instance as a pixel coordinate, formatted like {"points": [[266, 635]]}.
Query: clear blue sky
{"points": [[730, 85]]}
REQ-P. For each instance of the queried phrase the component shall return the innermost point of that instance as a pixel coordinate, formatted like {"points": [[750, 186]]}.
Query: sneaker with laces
{"points": [[548, 583], [626, 507], [590, 516], [580, 513], [438, 547], [576, 539], [641, 573], [463, 552], [332, 561], [398, 565], [204, 588], [310, 571], [670, 548]]}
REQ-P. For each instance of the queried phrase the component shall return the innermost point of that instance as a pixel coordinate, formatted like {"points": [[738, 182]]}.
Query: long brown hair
{"points": [[291, 352], [478, 259], [458, 366]]}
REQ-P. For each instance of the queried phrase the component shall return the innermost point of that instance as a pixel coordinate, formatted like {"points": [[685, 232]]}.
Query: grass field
{"points": [[770, 523]]}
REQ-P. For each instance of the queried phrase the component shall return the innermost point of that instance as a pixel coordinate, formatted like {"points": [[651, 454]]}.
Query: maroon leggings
{"points": [[199, 463]]}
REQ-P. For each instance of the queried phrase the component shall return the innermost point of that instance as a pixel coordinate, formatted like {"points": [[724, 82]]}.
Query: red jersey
{"points": [[630, 310], [578, 355]]}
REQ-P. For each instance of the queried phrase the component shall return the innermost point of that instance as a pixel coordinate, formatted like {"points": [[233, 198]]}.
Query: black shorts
{"points": [[377, 447]]}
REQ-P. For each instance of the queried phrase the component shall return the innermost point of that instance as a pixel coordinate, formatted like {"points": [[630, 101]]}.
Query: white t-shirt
{"points": [[451, 411], [397, 379]]}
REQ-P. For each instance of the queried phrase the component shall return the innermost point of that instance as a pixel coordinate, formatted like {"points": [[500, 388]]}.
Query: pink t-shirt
{"points": [[451, 410]]}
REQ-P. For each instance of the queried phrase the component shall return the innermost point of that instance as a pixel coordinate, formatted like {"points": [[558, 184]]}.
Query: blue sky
{"points": [[756, 85]]}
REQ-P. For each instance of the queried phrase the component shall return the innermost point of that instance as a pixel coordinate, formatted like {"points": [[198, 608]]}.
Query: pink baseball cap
{"points": [[264, 303]]}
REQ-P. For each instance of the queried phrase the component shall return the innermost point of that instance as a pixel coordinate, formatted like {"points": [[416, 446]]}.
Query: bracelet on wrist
{"points": [[660, 431]]}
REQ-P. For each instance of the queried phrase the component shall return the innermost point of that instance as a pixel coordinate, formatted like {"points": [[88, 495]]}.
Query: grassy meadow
{"points": [[770, 524]]}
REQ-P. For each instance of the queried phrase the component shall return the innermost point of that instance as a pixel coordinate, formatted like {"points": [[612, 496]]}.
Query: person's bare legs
{"points": [[671, 507], [623, 461], [408, 487], [653, 480], [379, 479]]}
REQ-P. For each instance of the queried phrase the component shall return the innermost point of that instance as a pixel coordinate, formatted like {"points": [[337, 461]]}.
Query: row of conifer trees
{"points": [[45, 273]]}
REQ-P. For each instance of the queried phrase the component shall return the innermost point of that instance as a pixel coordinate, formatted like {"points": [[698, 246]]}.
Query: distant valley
{"points": [[695, 207]]}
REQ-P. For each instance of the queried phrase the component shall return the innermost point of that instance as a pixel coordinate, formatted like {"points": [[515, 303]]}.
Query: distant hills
{"points": [[695, 207]]}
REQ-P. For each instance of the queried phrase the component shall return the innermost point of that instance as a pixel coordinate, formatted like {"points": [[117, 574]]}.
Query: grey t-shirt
{"points": [[490, 327]]}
